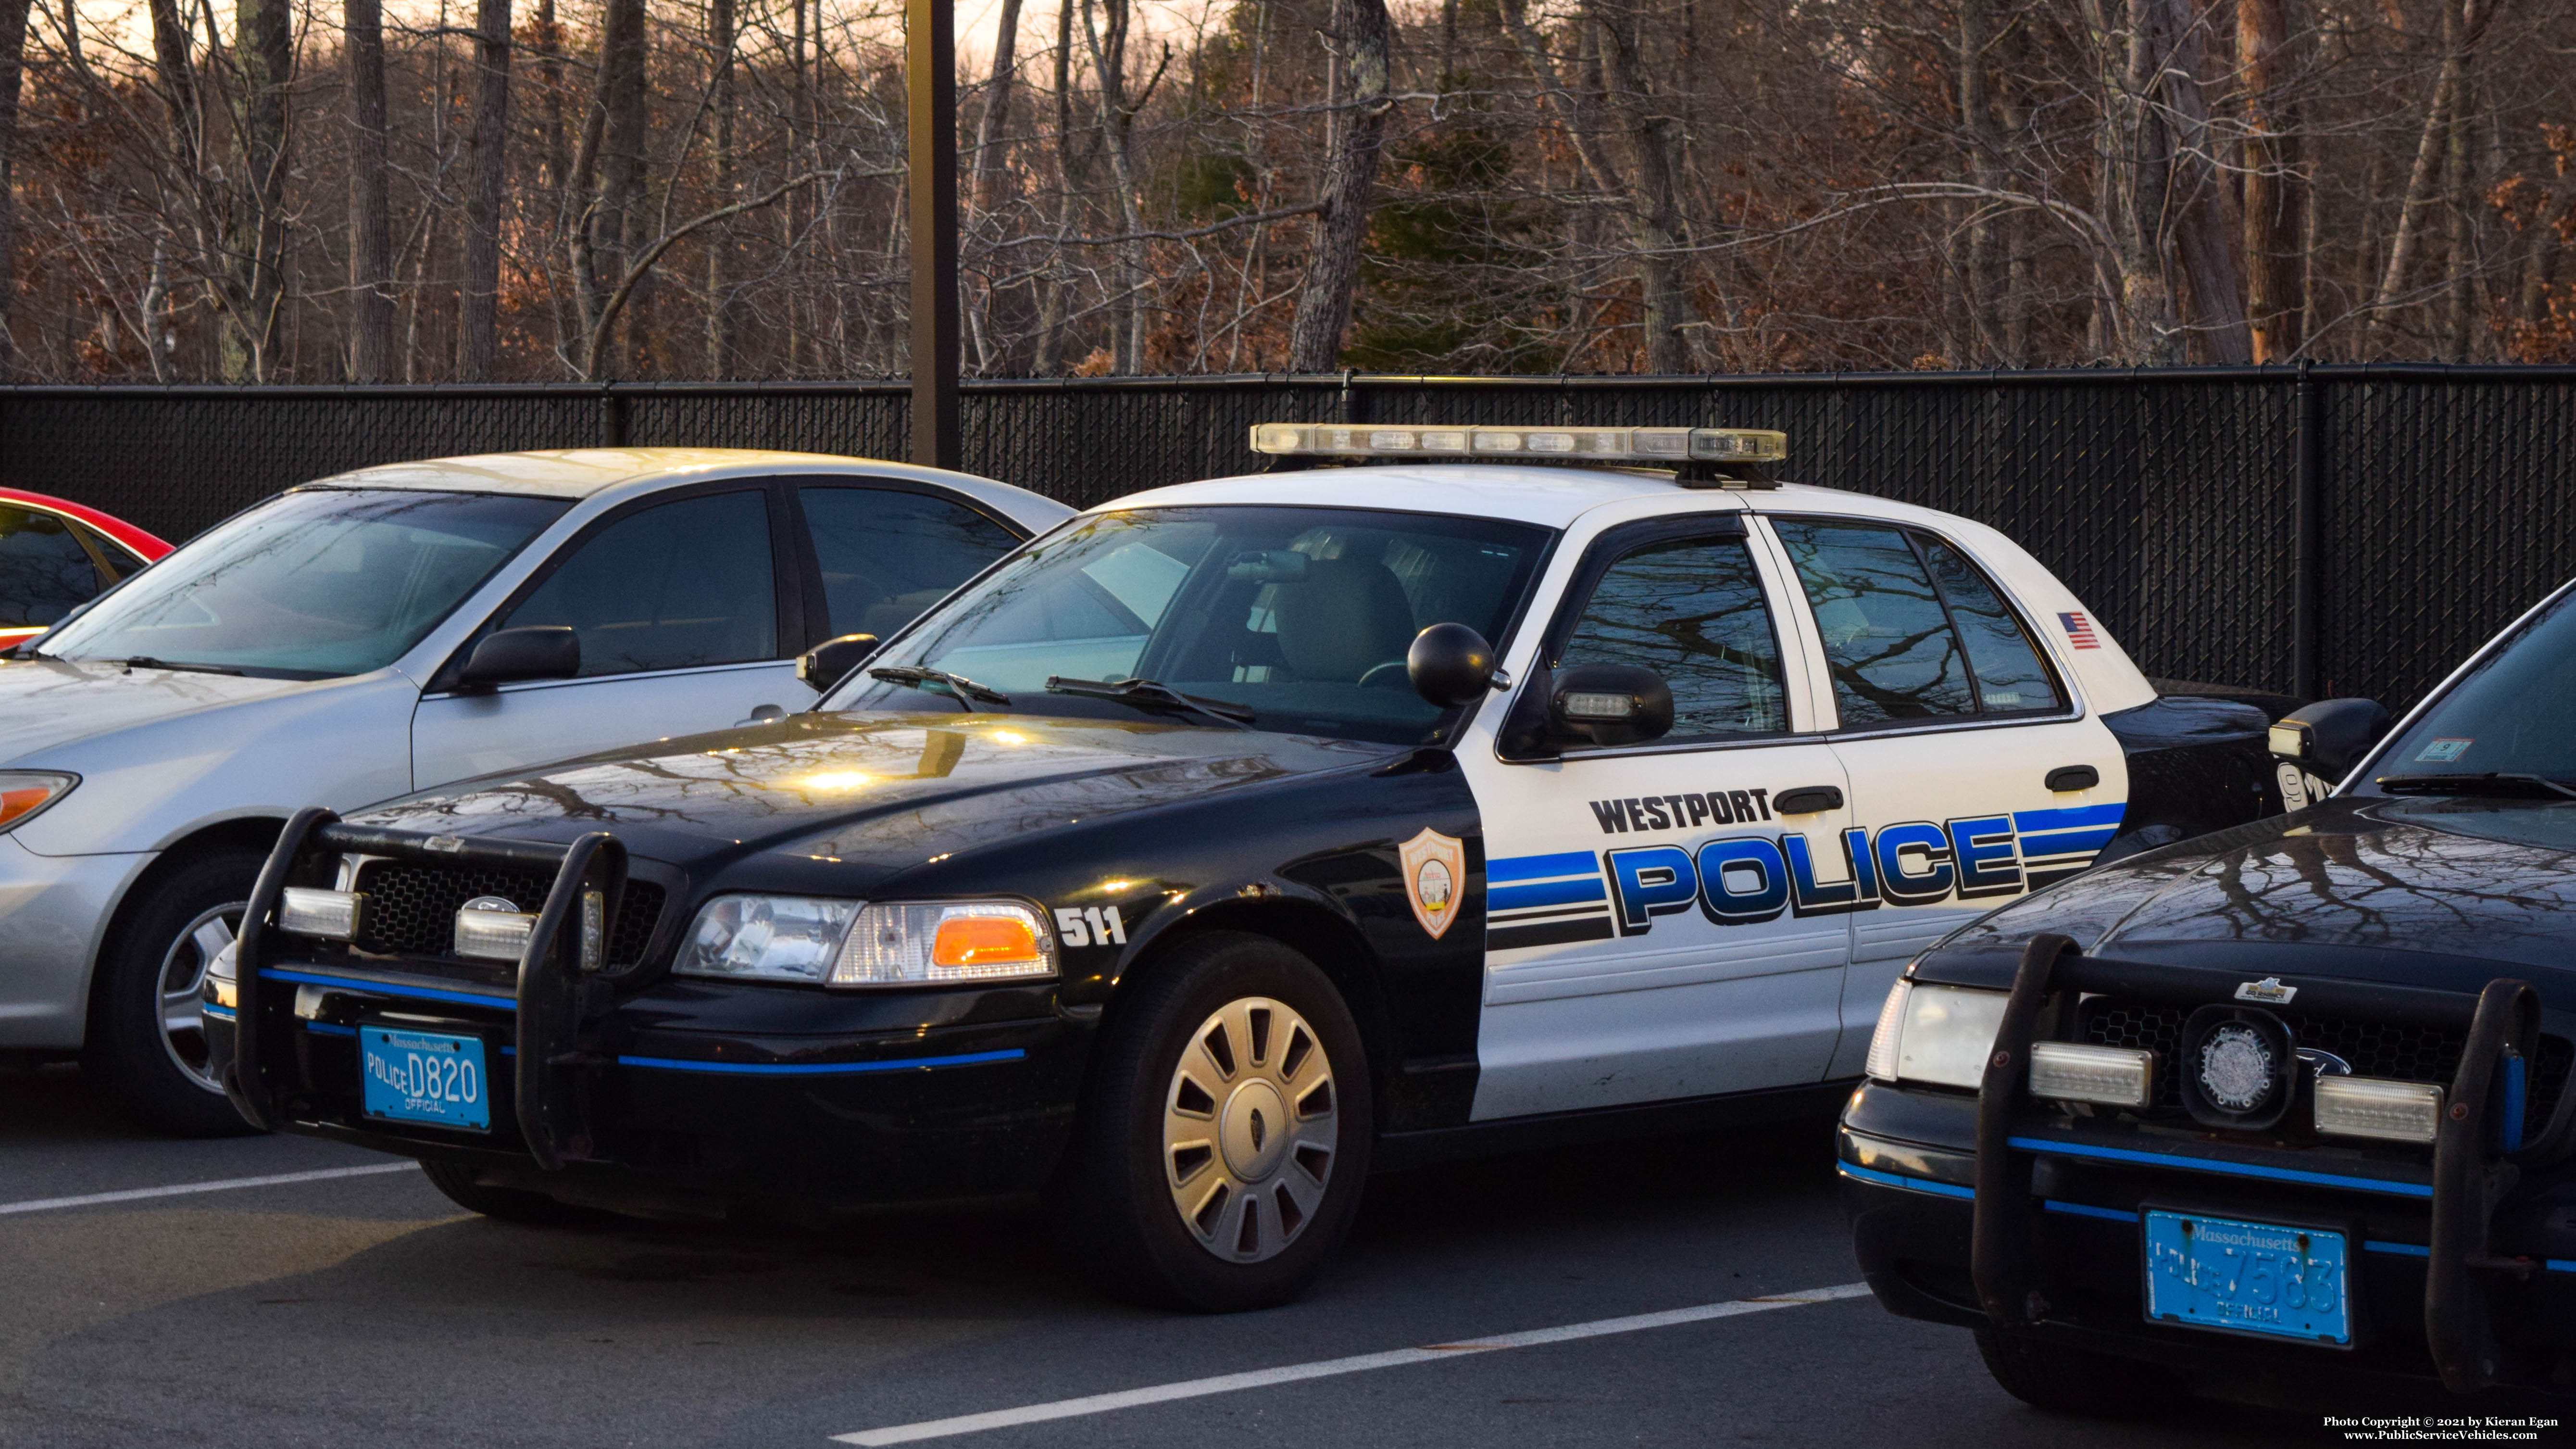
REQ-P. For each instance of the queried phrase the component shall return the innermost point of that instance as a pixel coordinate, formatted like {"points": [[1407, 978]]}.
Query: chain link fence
{"points": [[2323, 531]]}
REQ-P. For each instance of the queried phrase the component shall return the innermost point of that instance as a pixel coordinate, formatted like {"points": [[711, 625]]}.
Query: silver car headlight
{"points": [[24, 794], [852, 943], [1936, 1034]]}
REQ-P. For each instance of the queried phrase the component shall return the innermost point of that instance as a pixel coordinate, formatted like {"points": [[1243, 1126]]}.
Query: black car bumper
{"points": [[680, 1095]]}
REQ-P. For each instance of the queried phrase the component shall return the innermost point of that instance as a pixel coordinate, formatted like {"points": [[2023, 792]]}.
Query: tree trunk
{"points": [[2276, 186], [13, 50], [720, 100], [1656, 216], [2203, 241], [478, 329], [2460, 24], [371, 245], [1049, 351], [618, 115], [1358, 135], [1108, 61], [1985, 295], [263, 49], [1002, 323]]}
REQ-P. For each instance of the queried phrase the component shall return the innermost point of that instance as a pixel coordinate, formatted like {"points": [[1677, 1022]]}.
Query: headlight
{"points": [[766, 938], [1936, 1034], [25, 793]]}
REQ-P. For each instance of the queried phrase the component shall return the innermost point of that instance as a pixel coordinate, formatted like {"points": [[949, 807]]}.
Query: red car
{"points": [[56, 556]]}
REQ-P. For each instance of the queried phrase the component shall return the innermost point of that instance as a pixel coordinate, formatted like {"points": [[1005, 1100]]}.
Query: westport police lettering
{"points": [[1682, 812], [1747, 878]]}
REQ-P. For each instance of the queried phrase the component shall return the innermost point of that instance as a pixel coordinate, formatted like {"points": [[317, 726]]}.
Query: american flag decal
{"points": [[2079, 631]]}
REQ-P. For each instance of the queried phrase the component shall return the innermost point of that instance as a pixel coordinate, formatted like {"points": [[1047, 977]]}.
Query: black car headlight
{"points": [[826, 942]]}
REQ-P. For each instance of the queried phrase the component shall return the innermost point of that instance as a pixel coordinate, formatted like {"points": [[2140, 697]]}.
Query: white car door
{"points": [[1666, 920], [688, 614], [1974, 775]]}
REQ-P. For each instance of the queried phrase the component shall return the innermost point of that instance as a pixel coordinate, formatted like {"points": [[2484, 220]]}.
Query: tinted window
{"points": [[44, 571], [320, 582], [1692, 611], [673, 587], [2010, 677], [886, 556], [1888, 642], [1299, 615], [2514, 714]]}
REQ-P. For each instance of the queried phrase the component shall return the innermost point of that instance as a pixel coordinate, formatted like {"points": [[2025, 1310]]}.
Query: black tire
{"points": [[1117, 1213], [508, 1204], [2067, 1380], [153, 1073]]}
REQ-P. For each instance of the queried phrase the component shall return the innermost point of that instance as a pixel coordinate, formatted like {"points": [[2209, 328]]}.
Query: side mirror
{"points": [[1609, 704], [2328, 738], [824, 666], [1449, 664], [539, 651]]}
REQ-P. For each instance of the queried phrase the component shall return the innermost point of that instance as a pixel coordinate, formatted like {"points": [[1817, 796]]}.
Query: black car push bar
{"points": [[2472, 1171], [559, 985]]}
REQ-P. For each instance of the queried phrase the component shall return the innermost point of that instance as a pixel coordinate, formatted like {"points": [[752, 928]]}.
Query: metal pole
{"points": [[2307, 506], [930, 84]]}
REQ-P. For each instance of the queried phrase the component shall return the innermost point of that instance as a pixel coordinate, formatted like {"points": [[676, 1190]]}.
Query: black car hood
{"points": [[874, 790], [2433, 892]]}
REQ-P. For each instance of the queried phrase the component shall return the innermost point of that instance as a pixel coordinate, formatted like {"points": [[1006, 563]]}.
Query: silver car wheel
{"points": [[1250, 1129], [180, 1001]]}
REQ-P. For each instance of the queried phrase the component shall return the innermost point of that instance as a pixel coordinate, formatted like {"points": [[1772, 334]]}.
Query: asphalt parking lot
{"points": [[329, 1310]]}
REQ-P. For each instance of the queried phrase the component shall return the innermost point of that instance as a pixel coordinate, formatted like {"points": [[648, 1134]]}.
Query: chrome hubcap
{"points": [[1251, 1126], [181, 997]]}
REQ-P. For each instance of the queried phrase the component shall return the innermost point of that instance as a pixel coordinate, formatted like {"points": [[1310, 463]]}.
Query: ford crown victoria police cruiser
{"points": [[391, 629], [2284, 1105], [1202, 853]]}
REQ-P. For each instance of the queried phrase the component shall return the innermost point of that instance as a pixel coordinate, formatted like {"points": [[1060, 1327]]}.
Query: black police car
{"points": [[1201, 853], [2280, 1104]]}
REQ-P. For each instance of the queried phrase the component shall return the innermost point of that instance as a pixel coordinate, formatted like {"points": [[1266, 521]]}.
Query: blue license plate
{"points": [[424, 1076], [2250, 1277]]}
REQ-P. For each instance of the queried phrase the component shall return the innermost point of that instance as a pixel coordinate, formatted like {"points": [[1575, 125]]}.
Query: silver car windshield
{"points": [[315, 584], [1287, 619]]}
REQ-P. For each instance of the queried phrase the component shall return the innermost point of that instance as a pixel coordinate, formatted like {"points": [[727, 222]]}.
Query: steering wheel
{"points": [[1377, 675]]}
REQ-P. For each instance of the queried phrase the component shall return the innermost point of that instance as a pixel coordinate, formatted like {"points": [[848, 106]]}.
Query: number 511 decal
{"points": [[1085, 925]]}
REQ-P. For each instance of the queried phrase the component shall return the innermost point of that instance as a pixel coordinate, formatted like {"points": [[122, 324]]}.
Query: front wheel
{"points": [[1225, 1134], [147, 1022]]}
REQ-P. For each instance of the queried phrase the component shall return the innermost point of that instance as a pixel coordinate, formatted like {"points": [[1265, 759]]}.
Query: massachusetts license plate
{"points": [[422, 1076], [2251, 1277]]}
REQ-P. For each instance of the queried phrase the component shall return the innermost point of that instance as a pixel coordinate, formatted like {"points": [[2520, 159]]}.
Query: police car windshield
{"points": [[1299, 616], [2514, 715], [318, 583]]}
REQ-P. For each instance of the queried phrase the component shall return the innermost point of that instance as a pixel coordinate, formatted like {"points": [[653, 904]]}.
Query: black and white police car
{"points": [[1201, 854], [2282, 1107]]}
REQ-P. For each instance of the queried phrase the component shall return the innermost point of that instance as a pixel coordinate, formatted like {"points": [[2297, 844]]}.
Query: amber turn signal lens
{"points": [[983, 941], [15, 803]]}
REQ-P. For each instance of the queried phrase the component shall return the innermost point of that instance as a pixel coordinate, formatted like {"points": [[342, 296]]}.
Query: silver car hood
{"points": [[45, 703]]}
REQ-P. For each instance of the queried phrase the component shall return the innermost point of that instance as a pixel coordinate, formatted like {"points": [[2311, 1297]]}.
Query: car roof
{"points": [[149, 546], [579, 473], [1548, 496]]}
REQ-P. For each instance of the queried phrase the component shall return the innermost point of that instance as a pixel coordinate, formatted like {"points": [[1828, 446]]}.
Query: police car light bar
{"points": [[1652, 447]]}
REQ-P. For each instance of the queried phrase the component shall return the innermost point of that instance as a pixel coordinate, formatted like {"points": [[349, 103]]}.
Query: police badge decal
{"points": [[1435, 871]]}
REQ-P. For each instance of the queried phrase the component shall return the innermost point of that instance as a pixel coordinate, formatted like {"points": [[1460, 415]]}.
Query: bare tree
{"points": [[371, 247], [478, 337]]}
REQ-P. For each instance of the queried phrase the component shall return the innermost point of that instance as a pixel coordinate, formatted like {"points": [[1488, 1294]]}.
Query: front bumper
{"points": [[2468, 1278], [53, 911], [680, 1095]]}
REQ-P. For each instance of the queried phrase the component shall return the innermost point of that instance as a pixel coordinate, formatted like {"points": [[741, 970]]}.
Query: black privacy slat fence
{"points": [[2316, 531]]}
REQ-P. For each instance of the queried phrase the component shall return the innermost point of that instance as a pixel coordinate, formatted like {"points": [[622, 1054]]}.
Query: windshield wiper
{"points": [[146, 661], [2491, 783], [958, 684], [1152, 694]]}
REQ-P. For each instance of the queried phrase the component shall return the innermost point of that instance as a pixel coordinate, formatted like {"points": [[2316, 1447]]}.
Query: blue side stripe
{"points": [[2084, 1210], [1541, 867], [2402, 1250], [826, 1069], [1910, 1184], [219, 1013], [2229, 1169], [387, 988], [2026, 821], [324, 1028], [2065, 842], [1546, 893]]}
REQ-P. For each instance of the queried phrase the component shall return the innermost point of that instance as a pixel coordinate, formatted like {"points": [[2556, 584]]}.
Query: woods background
{"points": [[460, 189]]}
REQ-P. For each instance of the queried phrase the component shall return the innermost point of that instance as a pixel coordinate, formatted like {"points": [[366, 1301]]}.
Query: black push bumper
{"points": [[669, 1094], [1984, 1210]]}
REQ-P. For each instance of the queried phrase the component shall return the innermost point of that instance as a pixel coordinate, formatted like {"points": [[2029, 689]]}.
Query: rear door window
{"points": [[45, 573], [887, 554], [1912, 631], [680, 585]]}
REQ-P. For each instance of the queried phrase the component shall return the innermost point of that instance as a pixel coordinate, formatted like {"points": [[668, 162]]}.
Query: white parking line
{"points": [[132, 1194], [1327, 1368]]}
